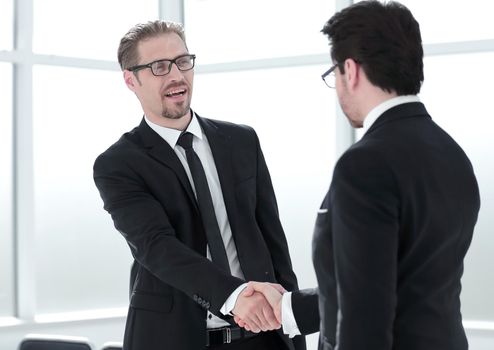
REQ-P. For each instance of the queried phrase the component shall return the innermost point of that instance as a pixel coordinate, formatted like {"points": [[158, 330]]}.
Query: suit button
{"points": [[195, 297], [208, 305]]}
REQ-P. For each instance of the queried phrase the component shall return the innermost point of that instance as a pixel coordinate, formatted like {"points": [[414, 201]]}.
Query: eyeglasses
{"points": [[329, 77], [163, 67]]}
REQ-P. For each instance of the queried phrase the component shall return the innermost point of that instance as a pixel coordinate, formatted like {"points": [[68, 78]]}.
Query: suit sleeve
{"points": [[143, 222], [365, 209], [305, 308]]}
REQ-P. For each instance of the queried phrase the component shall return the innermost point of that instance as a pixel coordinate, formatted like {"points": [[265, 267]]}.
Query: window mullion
{"points": [[24, 216]]}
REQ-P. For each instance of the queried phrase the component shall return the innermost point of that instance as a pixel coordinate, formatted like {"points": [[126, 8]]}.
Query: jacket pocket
{"points": [[322, 218], [152, 302]]}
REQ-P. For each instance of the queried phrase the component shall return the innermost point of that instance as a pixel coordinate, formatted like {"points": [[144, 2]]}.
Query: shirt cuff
{"points": [[229, 304], [288, 321]]}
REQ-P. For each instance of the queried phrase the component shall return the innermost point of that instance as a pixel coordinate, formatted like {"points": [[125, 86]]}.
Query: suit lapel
{"points": [[160, 150]]}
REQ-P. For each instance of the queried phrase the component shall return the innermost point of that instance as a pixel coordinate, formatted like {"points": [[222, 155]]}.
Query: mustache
{"points": [[177, 84]]}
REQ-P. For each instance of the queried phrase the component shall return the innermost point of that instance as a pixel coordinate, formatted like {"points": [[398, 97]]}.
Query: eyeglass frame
{"points": [[149, 65], [328, 72]]}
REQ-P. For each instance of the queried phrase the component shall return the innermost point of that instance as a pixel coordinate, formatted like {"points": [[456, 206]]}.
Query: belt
{"points": [[226, 335]]}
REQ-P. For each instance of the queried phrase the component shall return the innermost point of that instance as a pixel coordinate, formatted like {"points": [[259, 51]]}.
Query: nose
{"points": [[175, 73]]}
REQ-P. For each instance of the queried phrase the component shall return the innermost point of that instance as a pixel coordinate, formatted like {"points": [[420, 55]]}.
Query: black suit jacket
{"points": [[305, 306], [146, 190], [391, 236]]}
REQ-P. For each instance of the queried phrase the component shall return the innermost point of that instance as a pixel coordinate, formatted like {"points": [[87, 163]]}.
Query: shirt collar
{"points": [[171, 135], [377, 111]]}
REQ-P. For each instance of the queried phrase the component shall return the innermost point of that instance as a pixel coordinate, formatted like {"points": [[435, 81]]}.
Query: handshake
{"points": [[258, 307]]}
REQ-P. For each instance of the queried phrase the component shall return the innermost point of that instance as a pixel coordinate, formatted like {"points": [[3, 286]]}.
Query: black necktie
{"points": [[205, 202]]}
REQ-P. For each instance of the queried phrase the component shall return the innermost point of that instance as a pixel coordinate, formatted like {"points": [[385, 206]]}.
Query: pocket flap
{"points": [[150, 302]]}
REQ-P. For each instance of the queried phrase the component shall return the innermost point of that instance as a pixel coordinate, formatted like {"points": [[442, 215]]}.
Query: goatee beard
{"points": [[175, 115]]}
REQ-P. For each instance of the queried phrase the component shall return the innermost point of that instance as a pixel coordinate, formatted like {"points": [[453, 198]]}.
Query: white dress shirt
{"points": [[203, 150]]}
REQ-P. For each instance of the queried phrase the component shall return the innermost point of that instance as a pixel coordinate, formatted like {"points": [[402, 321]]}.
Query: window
{"points": [[87, 29], [6, 25], [444, 21], [225, 30], [81, 262], [77, 114], [449, 21], [6, 194]]}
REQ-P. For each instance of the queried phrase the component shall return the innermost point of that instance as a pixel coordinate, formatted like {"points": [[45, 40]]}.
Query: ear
{"points": [[130, 79], [352, 73]]}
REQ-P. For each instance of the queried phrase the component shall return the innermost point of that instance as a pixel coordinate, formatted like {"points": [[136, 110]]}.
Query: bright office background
{"points": [[63, 267]]}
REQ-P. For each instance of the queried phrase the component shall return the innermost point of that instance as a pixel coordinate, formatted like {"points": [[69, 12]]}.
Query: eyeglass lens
{"points": [[163, 67], [330, 80]]}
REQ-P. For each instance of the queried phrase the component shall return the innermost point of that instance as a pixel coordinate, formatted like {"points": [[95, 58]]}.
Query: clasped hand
{"points": [[258, 307]]}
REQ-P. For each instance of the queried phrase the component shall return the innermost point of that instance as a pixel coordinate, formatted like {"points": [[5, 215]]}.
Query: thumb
{"points": [[248, 291], [278, 287]]}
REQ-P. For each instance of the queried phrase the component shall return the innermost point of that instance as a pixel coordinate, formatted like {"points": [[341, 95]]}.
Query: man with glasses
{"points": [[193, 198], [394, 228]]}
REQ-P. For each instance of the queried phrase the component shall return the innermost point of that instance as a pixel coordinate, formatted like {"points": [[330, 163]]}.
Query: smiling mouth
{"points": [[176, 92]]}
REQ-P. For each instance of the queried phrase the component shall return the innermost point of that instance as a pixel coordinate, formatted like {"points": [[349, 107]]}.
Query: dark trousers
{"points": [[263, 341]]}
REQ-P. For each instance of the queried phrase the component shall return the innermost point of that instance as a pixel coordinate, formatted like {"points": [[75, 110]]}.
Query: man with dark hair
{"points": [[394, 228], [193, 198]]}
